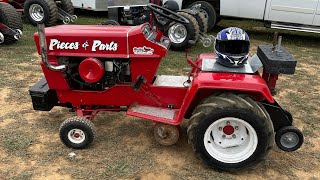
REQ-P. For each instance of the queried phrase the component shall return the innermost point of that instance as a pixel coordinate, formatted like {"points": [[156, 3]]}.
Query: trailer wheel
{"points": [[180, 34], [230, 132], [41, 11], [11, 18], [77, 132], [209, 12]]}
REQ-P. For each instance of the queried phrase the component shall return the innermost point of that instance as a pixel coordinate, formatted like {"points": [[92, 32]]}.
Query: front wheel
{"points": [[231, 132], [77, 132]]}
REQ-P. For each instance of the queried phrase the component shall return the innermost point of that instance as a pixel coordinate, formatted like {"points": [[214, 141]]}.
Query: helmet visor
{"points": [[233, 47]]}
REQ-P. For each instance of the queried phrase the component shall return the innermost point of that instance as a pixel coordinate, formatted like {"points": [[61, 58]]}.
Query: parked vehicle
{"points": [[45, 11], [298, 15], [233, 117], [10, 24]]}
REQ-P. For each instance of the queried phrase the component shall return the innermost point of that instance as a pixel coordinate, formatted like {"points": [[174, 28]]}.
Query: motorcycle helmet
{"points": [[232, 47]]}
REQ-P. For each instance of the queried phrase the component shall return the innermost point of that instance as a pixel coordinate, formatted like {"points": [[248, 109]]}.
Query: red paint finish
{"points": [[127, 42], [228, 130], [91, 70]]}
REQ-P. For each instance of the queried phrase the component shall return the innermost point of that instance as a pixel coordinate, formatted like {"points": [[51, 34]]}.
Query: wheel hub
{"points": [[166, 134], [76, 136], [289, 139], [228, 130], [177, 33], [36, 12]]}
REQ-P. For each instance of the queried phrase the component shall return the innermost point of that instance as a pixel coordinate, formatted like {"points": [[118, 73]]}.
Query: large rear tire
{"points": [[181, 34], [11, 18], [41, 11], [209, 12], [66, 5], [231, 132]]}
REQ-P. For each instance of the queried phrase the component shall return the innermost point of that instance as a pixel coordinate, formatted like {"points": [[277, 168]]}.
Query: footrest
{"points": [[158, 114]]}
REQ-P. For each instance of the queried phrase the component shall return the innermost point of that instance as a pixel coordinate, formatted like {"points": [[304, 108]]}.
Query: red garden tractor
{"points": [[10, 24], [45, 11], [233, 118]]}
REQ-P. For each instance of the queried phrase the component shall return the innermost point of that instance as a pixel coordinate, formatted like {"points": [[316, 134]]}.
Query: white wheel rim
{"points": [[76, 136], [230, 147], [177, 33], [36, 12]]}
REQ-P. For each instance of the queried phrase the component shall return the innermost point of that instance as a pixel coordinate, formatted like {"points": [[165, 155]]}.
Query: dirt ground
{"points": [[125, 148]]}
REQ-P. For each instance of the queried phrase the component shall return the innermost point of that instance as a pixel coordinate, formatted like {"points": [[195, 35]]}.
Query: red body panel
{"points": [[123, 42]]}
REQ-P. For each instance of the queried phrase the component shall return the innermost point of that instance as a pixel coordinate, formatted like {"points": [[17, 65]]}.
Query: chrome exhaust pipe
{"points": [[43, 50]]}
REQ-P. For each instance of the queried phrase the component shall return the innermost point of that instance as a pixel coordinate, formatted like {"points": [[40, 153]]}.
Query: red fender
{"points": [[250, 84]]}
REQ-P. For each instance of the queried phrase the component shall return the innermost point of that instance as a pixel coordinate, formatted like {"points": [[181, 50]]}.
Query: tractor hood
{"points": [[101, 41]]}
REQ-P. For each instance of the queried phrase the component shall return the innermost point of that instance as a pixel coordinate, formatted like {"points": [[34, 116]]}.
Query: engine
{"points": [[96, 74]]}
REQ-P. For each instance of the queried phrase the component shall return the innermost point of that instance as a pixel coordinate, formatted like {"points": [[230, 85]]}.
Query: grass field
{"points": [[125, 148]]}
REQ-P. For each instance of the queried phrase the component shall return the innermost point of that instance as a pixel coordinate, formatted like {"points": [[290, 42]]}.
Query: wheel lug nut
{"points": [[224, 136], [236, 128], [234, 136], [220, 128], [228, 122]]}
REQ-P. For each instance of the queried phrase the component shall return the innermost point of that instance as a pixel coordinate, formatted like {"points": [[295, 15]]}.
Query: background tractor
{"points": [[233, 119], [135, 12], [10, 24], [45, 11]]}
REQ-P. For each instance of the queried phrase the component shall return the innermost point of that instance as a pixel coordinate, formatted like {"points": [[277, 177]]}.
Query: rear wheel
{"points": [[41, 11], [11, 18], [231, 132], [180, 34], [77, 132], [208, 11]]}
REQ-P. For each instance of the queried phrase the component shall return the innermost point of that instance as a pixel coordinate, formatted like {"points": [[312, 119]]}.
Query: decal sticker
{"points": [[96, 45], [56, 44], [143, 50]]}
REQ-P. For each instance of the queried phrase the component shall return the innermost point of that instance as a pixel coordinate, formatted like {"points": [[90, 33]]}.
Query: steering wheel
{"points": [[166, 13]]}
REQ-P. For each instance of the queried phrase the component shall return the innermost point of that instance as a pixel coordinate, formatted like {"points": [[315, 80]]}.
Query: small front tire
{"points": [[77, 132]]}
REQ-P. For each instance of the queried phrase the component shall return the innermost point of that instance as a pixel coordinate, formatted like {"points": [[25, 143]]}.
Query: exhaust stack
{"points": [[43, 50]]}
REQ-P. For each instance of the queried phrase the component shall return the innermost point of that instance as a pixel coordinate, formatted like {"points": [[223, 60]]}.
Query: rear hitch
{"points": [[43, 50]]}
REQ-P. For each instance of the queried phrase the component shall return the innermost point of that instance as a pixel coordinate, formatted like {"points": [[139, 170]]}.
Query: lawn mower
{"points": [[135, 13], [10, 24], [233, 118], [45, 11]]}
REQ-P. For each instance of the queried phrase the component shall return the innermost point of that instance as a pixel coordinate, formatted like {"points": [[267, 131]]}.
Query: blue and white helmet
{"points": [[232, 47]]}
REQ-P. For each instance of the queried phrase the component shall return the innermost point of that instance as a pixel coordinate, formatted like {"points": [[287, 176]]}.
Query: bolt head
{"points": [[228, 122], [220, 128], [236, 127], [224, 136], [234, 136]]}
